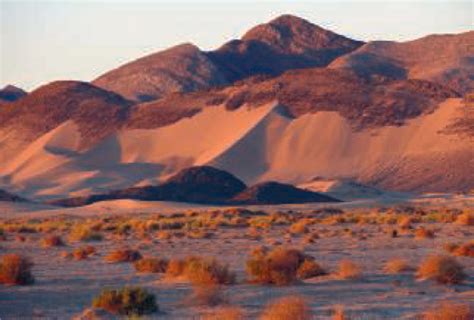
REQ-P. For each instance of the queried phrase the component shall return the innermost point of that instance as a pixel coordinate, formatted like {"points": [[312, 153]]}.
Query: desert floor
{"points": [[65, 287]]}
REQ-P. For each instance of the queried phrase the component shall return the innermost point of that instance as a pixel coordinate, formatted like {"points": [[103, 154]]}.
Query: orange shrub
{"points": [[287, 308], [15, 270], [442, 269], [123, 255]]}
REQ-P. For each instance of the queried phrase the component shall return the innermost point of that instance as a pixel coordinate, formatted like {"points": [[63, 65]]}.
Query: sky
{"points": [[43, 41]]}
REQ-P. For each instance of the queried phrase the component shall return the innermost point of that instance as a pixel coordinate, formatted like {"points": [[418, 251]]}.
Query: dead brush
{"points": [[52, 241], [349, 270], [292, 307], [151, 265], [442, 269], [280, 266], [83, 252], [397, 265], [200, 271], [423, 233], [123, 255], [466, 219], [16, 270]]}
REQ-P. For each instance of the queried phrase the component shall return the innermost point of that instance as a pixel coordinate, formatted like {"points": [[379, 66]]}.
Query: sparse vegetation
{"points": [[466, 219], [52, 241], [396, 266], [84, 233], [131, 301], [151, 265], [123, 255], [83, 252], [16, 270], [280, 266], [287, 308], [349, 270], [443, 269]]}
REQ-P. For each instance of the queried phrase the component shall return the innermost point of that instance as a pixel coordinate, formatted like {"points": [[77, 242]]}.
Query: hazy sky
{"points": [[42, 41]]}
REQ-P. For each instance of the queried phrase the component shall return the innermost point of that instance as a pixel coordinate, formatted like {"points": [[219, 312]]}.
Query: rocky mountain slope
{"points": [[11, 93], [392, 119], [287, 42], [444, 59]]}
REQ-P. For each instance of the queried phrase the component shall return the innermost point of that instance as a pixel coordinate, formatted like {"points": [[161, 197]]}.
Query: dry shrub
{"points": [[83, 252], [279, 266], [207, 271], [423, 233], [198, 234], [164, 235], [206, 295], [340, 314], [287, 308], [299, 227], [16, 270], [310, 269], [225, 313], [127, 301], [450, 311], [200, 271], [396, 266], [84, 233], [123, 255], [151, 265], [465, 250], [405, 222], [466, 219], [349, 270], [175, 268], [443, 269], [52, 241]]}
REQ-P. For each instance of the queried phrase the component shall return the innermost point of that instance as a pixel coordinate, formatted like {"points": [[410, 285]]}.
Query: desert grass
{"points": [[349, 270], [442, 269], [280, 266], [423, 233], [396, 265], [84, 233], [466, 219], [128, 301], [83, 252], [16, 270], [285, 308], [151, 265], [52, 241], [123, 255]]}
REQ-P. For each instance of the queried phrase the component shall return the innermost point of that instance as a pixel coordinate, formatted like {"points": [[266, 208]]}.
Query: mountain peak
{"points": [[11, 93], [291, 34]]}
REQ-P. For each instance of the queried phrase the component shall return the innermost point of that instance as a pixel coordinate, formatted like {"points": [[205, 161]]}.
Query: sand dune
{"points": [[255, 144]]}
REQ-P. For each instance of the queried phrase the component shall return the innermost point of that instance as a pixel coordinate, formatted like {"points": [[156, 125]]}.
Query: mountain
{"points": [[278, 193], [94, 111], [287, 42], [377, 126], [444, 59], [11, 93], [182, 68]]}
